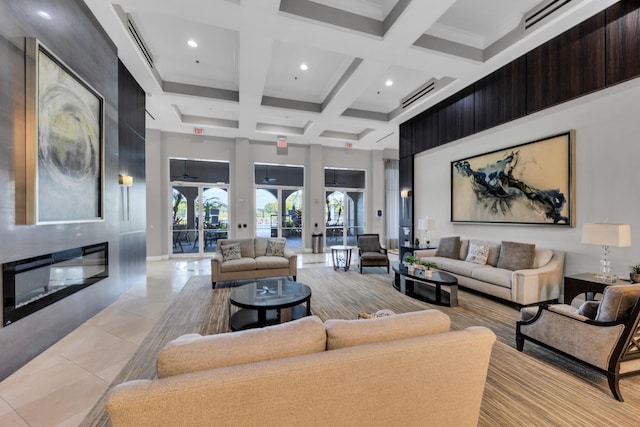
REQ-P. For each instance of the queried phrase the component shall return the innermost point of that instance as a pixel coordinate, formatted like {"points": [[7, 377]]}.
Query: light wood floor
{"points": [[533, 388], [61, 385]]}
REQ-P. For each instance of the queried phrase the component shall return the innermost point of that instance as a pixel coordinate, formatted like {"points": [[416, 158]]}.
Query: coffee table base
{"points": [[246, 318], [429, 292]]}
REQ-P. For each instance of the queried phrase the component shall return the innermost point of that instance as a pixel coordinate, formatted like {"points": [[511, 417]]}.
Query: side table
{"points": [[584, 283], [341, 256]]}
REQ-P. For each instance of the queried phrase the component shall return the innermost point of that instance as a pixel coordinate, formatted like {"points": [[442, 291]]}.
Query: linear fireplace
{"points": [[34, 283]]}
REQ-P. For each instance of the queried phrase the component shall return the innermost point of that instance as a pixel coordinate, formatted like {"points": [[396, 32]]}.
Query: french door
{"points": [[279, 213], [199, 217], [344, 216]]}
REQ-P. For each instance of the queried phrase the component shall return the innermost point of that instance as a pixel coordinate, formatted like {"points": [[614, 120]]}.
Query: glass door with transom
{"points": [[279, 214], [279, 202], [344, 206], [200, 217], [344, 217]]}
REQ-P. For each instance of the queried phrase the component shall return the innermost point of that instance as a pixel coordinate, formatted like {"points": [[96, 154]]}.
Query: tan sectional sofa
{"points": [[540, 281], [254, 262], [407, 369]]}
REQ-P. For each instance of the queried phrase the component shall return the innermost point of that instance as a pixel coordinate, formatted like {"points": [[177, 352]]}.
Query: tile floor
{"points": [[61, 385]]}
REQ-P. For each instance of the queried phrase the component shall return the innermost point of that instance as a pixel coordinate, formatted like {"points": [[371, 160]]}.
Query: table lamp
{"points": [[606, 235]]}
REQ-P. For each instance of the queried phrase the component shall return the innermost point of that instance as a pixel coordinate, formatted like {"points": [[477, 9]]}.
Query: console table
{"points": [[584, 283], [403, 250]]}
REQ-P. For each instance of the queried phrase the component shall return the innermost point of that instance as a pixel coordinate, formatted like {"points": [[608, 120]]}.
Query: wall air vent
{"points": [[421, 92], [538, 13], [139, 41]]}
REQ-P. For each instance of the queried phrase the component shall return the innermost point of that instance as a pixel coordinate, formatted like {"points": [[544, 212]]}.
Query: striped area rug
{"points": [[532, 388]]}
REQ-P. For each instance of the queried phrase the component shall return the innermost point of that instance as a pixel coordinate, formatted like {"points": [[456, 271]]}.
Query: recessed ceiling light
{"points": [[43, 14], [304, 67], [192, 43], [388, 83]]}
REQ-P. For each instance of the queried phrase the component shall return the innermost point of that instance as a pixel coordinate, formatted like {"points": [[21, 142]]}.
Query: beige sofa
{"points": [[406, 369], [540, 281], [254, 262]]}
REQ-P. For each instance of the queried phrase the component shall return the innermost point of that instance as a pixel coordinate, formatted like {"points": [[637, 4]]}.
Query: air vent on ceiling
{"points": [[537, 14], [139, 41], [422, 91]]}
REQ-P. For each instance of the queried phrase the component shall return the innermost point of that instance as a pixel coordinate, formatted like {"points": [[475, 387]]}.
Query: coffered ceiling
{"points": [[363, 59]]}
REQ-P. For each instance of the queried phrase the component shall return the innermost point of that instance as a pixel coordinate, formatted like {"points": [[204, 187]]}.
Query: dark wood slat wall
{"points": [[407, 141], [499, 97], [426, 129], [406, 204], [456, 118], [568, 66], [601, 51], [622, 47], [131, 161]]}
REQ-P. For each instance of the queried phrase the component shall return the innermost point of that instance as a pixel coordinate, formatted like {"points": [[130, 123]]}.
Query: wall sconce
{"points": [[405, 194], [126, 181]]}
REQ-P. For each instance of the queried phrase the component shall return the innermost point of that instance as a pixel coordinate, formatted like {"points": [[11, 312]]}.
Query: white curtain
{"points": [[392, 195]]}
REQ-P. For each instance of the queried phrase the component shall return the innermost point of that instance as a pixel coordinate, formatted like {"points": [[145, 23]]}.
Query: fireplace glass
{"points": [[32, 284]]}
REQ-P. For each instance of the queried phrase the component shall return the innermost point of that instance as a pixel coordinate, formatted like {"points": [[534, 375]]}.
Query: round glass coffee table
{"points": [[268, 302], [429, 289]]}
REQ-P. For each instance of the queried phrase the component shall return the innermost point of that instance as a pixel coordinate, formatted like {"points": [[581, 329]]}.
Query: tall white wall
{"points": [[241, 155], [607, 186]]}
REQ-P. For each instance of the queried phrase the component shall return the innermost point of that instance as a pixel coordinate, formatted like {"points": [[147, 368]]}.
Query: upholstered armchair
{"points": [[370, 253], [601, 334]]}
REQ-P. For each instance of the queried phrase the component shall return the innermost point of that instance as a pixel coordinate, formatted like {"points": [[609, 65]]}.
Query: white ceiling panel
{"points": [[384, 99], [286, 80], [244, 78], [213, 63], [374, 9], [480, 23]]}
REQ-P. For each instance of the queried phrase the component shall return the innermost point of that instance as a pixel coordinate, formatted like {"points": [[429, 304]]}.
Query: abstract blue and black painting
{"points": [[531, 183]]}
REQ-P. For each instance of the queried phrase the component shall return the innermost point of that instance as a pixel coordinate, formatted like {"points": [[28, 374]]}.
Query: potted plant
{"points": [[409, 260], [635, 273], [428, 265]]}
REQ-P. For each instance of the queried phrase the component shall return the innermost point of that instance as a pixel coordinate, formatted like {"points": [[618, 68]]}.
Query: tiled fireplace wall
{"points": [[74, 36]]}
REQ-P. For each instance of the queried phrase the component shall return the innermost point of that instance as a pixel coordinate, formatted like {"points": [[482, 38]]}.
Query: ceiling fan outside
{"points": [[266, 179], [335, 183], [185, 176]]}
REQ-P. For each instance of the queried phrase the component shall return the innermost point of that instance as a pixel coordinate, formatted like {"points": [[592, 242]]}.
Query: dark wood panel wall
{"points": [[622, 36], [568, 66], [601, 51], [131, 157]]}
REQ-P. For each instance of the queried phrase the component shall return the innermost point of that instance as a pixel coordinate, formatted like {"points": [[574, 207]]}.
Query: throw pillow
{"points": [[275, 247], [230, 252], [589, 309], [617, 302], [477, 254], [449, 247], [516, 256]]}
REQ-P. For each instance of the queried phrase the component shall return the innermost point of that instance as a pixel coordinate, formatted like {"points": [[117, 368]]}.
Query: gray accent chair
{"points": [[602, 334], [371, 253]]}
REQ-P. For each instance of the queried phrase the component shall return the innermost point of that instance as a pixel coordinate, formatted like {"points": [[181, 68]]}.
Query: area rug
{"points": [[535, 387]]}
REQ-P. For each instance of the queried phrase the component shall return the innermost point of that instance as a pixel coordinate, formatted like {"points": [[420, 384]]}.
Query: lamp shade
{"points": [[617, 235]]}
